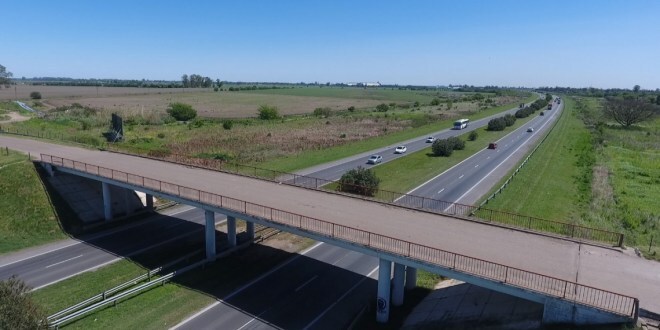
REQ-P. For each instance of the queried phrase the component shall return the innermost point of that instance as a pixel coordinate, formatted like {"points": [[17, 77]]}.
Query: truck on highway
{"points": [[550, 106]]}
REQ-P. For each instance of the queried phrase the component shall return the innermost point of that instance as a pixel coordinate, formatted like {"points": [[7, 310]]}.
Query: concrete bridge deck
{"points": [[602, 268]]}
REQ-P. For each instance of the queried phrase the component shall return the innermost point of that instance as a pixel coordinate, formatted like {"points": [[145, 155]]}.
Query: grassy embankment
{"points": [[28, 217], [605, 176]]}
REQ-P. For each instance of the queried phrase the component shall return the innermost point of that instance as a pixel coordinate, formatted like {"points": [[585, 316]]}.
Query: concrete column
{"points": [[127, 201], [209, 229], [249, 228], [49, 169], [383, 299], [150, 202], [411, 278], [397, 289], [231, 231], [107, 201]]}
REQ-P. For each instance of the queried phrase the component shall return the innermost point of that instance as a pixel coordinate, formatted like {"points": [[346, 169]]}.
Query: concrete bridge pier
{"points": [[128, 193], [397, 286], [231, 231], [383, 299], [209, 231], [249, 228], [150, 202], [107, 201], [411, 278], [49, 169]]}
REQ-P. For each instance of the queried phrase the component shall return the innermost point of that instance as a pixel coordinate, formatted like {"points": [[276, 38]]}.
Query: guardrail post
{"points": [[620, 242]]}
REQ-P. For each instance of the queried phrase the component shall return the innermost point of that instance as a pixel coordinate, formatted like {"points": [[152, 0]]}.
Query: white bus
{"points": [[461, 123]]}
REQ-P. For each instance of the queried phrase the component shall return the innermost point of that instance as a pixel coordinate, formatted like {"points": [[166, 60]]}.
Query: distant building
{"points": [[364, 84]]}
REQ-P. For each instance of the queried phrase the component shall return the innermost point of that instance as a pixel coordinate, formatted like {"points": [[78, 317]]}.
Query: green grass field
{"points": [[611, 185], [27, 217]]}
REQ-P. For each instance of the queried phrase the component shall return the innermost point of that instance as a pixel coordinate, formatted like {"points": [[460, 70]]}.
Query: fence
{"points": [[542, 284], [478, 213]]}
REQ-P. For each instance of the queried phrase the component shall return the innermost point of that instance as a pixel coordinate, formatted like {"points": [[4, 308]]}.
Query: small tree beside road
{"points": [[181, 111], [628, 112], [361, 181], [17, 310]]}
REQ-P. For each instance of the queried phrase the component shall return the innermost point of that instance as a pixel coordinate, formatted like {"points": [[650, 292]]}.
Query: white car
{"points": [[375, 159], [430, 139], [400, 149]]}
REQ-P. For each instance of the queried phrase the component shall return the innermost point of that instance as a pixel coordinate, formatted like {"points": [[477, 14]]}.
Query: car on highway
{"points": [[400, 149], [492, 145], [531, 129], [375, 159], [430, 139], [542, 114]]}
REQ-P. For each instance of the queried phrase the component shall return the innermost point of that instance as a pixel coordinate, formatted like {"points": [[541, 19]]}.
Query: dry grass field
{"points": [[22, 92]]}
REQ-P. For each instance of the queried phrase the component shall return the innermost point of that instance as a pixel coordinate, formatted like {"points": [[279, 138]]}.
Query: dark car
{"points": [[492, 145]]}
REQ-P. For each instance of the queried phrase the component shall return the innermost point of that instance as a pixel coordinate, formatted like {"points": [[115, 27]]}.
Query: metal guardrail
{"points": [[478, 213], [547, 285]]}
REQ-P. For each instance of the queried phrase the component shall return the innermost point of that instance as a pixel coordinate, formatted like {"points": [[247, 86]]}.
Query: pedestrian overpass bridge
{"points": [[577, 283]]}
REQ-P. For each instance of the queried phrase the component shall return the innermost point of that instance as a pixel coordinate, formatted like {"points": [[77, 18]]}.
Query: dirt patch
{"points": [[13, 117], [603, 193]]}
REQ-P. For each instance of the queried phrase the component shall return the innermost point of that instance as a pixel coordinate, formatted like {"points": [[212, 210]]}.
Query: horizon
{"points": [[419, 43]]}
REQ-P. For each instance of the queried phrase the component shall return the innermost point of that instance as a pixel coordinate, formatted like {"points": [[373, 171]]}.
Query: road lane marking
{"points": [[475, 166], [441, 190], [63, 261], [462, 175], [340, 299], [303, 285], [239, 290]]}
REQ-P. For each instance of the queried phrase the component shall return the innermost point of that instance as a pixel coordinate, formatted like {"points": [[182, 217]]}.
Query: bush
{"points": [[215, 89], [351, 108], [382, 107], [442, 148], [361, 181], [497, 124], [181, 111], [268, 112], [322, 112], [473, 136], [435, 101], [161, 135], [416, 104], [17, 310], [35, 95], [456, 143], [227, 124], [509, 120]]}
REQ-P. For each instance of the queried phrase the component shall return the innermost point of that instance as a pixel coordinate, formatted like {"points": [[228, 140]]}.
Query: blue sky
{"points": [[514, 43]]}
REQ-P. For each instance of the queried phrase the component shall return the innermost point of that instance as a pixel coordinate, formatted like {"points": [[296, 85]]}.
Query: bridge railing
{"points": [[547, 285], [535, 224]]}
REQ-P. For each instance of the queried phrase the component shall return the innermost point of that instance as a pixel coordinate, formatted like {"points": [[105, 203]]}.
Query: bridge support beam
{"points": [[231, 231], [209, 231], [397, 286], [249, 228], [411, 278], [150, 202], [107, 201], [128, 193], [383, 299]]}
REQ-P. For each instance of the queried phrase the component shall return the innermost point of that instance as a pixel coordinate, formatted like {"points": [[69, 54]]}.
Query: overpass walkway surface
{"points": [[565, 269]]}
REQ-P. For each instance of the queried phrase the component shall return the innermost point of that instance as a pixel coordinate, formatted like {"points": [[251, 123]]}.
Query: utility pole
{"points": [[15, 95]]}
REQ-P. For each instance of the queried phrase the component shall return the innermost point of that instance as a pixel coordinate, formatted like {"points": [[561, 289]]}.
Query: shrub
{"points": [[456, 143], [35, 95], [161, 135], [227, 124], [473, 136], [442, 148], [351, 108], [215, 89], [322, 112], [17, 309], [181, 111], [361, 181], [416, 104], [382, 107], [497, 124], [509, 119], [435, 101], [268, 112]]}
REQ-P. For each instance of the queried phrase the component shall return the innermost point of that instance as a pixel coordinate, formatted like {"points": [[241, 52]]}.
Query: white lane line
{"points": [[237, 291], [340, 299], [110, 232], [303, 285], [462, 175], [475, 166], [441, 190], [488, 157], [63, 261]]}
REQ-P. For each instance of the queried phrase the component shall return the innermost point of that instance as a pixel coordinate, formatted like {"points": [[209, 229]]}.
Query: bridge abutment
{"points": [[209, 230], [557, 311], [231, 231], [128, 193], [150, 202], [383, 299]]}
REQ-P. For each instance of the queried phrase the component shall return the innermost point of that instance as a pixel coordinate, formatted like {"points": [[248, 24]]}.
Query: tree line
{"points": [[196, 81]]}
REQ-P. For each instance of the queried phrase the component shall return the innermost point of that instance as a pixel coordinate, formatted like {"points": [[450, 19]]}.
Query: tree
{"points": [[219, 83], [17, 310], [323, 112], [181, 111], [5, 76], [185, 80], [442, 148], [35, 95], [268, 112], [636, 89], [497, 124], [456, 143], [382, 107], [361, 181], [657, 100], [629, 111], [473, 136]]}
